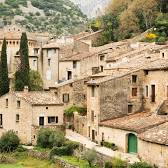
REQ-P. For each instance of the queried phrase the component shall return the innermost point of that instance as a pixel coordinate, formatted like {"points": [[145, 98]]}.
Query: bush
{"points": [[67, 149], [21, 149], [9, 142], [118, 163], [110, 145], [141, 165], [48, 138], [108, 165]]}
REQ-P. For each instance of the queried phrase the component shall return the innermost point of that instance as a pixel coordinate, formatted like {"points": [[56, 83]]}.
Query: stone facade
{"points": [[115, 102], [80, 124], [22, 116]]}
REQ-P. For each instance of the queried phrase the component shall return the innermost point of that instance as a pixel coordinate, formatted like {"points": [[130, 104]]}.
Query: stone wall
{"points": [[153, 153], [62, 163], [80, 124], [116, 95]]}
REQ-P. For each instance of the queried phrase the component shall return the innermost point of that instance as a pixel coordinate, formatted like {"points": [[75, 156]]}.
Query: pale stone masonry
{"points": [[26, 112]]}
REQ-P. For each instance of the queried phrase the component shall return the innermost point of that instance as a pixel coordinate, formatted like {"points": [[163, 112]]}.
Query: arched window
{"points": [[132, 143]]}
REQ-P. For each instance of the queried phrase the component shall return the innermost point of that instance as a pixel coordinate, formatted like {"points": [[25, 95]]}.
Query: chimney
{"points": [[26, 89]]}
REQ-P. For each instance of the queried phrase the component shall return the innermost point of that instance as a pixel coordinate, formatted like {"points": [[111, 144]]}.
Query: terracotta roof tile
{"points": [[139, 122], [38, 98], [158, 134]]}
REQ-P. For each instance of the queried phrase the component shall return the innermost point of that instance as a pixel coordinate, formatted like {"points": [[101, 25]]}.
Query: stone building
{"points": [[26, 112], [50, 64], [112, 97]]}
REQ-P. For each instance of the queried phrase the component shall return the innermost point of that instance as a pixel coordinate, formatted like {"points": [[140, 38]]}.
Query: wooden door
{"points": [[132, 143]]}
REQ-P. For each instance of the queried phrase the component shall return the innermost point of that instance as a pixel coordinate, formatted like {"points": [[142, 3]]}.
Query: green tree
{"points": [[4, 80], [36, 82], [22, 75], [90, 156]]}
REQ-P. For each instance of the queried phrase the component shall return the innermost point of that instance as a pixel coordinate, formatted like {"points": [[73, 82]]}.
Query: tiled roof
{"points": [[158, 65], [14, 35], [76, 56], [38, 97], [158, 134], [138, 123], [51, 45]]}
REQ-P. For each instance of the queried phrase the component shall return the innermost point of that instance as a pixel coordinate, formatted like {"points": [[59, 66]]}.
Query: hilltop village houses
{"points": [[123, 85]]}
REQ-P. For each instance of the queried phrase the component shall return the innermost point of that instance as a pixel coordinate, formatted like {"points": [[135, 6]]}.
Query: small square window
{"points": [[18, 104], [46, 108]]}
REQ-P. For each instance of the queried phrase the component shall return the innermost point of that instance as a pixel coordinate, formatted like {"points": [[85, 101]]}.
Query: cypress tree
{"points": [[22, 75], [4, 80]]}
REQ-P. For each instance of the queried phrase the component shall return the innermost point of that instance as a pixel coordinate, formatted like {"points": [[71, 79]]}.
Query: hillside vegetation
{"points": [[127, 18], [54, 16]]}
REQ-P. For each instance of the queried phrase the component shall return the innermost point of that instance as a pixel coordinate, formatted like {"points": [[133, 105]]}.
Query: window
{"points": [[101, 68], [34, 62], [74, 64], [18, 104], [6, 103], [1, 120], [162, 55], [49, 62], [92, 116], [41, 121], [146, 91], [65, 98], [146, 72], [134, 92], [53, 119], [153, 96], [46, 108], [130, 108], [102, 58], [17, 117], [93, 91], [134, 78], [69, 73]]}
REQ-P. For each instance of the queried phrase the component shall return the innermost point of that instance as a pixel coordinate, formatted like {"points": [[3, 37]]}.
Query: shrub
{"points": [[108, 165], [141, 165], [90, 156], [81, 110], [67, 149], [118, 163], [48, 138], [21, 149], [110, 145], [9, 142]]}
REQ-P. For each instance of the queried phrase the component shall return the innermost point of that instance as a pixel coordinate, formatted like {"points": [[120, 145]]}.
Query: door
{"points": [[153, 93], [41, 121], [132, 143], [93, 135]]}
